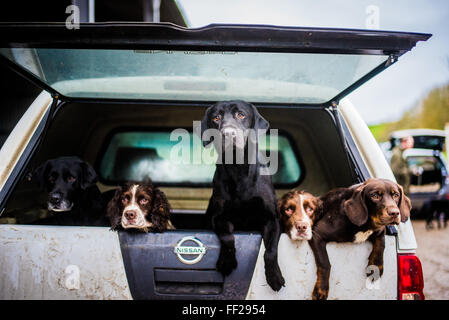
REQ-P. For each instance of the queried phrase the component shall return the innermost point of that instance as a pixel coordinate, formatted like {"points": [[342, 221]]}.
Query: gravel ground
{"points": [[433, 251]]}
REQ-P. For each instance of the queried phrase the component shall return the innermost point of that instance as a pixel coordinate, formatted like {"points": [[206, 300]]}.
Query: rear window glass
{"points": [[195, 75], [425, 142], [170, 160]]}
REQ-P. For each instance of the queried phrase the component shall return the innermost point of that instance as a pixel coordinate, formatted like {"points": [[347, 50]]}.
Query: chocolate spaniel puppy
{"points": [[298, 211], [356, 214], [140, 206]]}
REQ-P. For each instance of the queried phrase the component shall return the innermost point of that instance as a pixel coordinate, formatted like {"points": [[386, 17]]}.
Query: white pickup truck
{"points": [[117, 88]]}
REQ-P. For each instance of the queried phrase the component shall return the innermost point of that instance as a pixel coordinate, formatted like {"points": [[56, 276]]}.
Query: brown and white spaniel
{"points": [[141, 206], [297, 211]]}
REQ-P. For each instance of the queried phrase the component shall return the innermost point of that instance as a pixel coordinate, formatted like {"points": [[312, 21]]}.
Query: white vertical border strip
{"points": [[91, 11], [21, 135]]}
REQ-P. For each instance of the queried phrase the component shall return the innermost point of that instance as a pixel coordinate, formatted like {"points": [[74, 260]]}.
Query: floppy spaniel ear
{"points": [[281, 202], [405, 205], [355, 207], [259, 121], [279, 205], [39, 174], [88, 175], [113, 209], [160, 211]]}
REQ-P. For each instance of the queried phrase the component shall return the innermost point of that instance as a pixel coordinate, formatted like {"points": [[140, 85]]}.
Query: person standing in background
{"points": [[399, 164]]}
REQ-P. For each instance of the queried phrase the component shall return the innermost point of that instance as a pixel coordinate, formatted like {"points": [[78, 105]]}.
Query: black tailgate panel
{"points": [[154, 271]]}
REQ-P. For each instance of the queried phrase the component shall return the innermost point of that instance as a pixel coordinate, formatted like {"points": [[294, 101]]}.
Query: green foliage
{"points": [[431, 113]]}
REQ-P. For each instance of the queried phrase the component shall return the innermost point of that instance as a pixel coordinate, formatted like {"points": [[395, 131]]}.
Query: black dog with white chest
{"points": [[73, 197], [242, 198]]}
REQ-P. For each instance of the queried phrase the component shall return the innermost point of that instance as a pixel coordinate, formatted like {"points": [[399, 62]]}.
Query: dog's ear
{"points": [[405, 205], [88, 175], [260, 123], [205, 125], [39, 174], [318, 209], [279, 204], [113, 209], [355, 207], [160, 210], [281, 201]]}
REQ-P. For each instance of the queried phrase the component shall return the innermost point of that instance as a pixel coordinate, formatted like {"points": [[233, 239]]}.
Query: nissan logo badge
{"points": [[195, 249]]}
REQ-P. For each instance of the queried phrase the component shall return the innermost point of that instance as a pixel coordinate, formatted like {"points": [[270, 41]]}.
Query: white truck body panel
{"points": [[45, 262], [347, 280]]}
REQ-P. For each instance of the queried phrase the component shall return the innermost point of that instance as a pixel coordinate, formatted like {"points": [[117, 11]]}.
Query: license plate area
{"points": [[168, 265]]}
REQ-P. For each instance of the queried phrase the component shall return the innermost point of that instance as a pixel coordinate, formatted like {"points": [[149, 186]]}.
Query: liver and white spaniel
{"points": [[141, 206], [298, 210]]}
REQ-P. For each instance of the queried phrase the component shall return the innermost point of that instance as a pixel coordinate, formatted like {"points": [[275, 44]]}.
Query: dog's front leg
{"points": [[376, 257], [270, 235], [321, 289], [227, 261]]}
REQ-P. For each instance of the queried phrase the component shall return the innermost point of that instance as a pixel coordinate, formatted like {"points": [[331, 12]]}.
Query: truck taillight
{"points": [[410, 278]]}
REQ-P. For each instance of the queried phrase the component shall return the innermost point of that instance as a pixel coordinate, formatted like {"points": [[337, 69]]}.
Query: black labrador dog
{"points": [[242, 197], [73, 197]]}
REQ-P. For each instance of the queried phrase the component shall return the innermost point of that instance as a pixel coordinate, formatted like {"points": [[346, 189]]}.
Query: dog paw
{"points": [[320, 293], [374, 271], [225, 265], [276, 282], [274, 278]]}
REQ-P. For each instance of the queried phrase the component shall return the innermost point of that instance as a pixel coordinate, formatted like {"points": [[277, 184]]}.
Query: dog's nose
{"points": [[130, 214], [394, 212], [301, 225], [229, 132], [55, 198]]}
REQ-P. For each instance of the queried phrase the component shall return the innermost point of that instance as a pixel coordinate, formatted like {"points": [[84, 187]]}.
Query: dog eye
{"points": [[51, 179], [240, 115], [288, 211], [309, 210], [395, 195], [71, 179], [125, 199], [217, 118], [143, 201], [375, 196]]}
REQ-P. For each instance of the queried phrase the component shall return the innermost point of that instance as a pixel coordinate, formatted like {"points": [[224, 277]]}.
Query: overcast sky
{"points": [[394, 91]]}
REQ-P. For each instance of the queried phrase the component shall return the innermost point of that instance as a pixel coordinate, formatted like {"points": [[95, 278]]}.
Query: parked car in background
{"points": [[112, 95], [423, 138], [427, 164], [429, 175]]}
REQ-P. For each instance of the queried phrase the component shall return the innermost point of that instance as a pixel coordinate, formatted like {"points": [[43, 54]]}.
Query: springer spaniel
{"points": [[141, 206], [298, 211]]}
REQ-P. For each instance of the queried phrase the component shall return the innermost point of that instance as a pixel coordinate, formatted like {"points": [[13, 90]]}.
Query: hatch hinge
{"points": [[391, 59]]}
